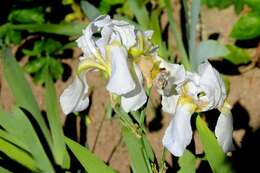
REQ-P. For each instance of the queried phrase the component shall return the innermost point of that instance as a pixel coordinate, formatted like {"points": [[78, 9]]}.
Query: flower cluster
{"points": [[130, 62], [184, 93], [115, 48]]}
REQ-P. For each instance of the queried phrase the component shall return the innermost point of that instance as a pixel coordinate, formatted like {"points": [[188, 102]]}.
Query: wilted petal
{"points": [[126, 32], [135, 99], [169, 103], [74, 98], [179, 133], [121, 81], [224, 130], [213, 85]]}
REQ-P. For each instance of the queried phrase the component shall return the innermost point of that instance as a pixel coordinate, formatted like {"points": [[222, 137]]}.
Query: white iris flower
{"points": [[184, 93], [110, 46]]}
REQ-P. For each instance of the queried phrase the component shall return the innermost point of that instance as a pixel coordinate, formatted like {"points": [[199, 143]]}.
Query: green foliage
{"points": [[247, 27], [254, 4], [105, 5], [23, 94], [217, 159], [44, 52], [187, 162], [89, 161], [138, 157], [211, 49], [90, 11], [26, 16], [217, 3], [237, 55]]}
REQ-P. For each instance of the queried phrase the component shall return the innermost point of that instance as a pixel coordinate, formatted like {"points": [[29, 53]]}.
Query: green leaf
{"points": [[177, 36], [67, 29], [38, 48], [3, 170], [19, 126], [26, 16], [157, 37], [105, 5], [254, 4], [17, 154], [140, 12], [89, 10], [217, 159], [187, 162], [55, 67], [88, 160], [35, 65], [23, 94], [195, 11], [59, 147], [237, 55], [211, 49], [247, 27], [148, 148], [239, 5], [13, 36], [135, 151], [13, 139], [51, 46], [221, 4]]}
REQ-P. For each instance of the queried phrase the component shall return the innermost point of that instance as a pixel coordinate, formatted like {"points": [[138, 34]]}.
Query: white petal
{"points": [[121, 81], [74, 98], [135, 99], [224, 131], [102, 21], [169, 103], [176, 71], [178, 134], [213, 85], [126, 32]]}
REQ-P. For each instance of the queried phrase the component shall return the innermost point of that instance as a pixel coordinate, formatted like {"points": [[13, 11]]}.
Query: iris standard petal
{"points": [[169, 103], [135, 99], [224, 130], [179, 133], [126, 32], [74, 98], [121, 81], [213, 85]]}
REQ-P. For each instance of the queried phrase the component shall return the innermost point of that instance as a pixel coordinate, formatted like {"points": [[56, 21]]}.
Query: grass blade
{"points": [[89, 10]]}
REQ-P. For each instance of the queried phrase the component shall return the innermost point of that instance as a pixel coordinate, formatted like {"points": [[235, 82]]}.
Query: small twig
{"points": [[114, 150], [98, 132]]}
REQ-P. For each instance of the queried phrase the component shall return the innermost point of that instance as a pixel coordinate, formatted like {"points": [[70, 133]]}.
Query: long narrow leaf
{"points": [[89, 10], [140, 12], [17, 154], [195, 10], [177, 36], [60, 29], [187, 163], [217, 159], [22, 91], [18, 126], [88, 160], [59, 147], [135, 151]]}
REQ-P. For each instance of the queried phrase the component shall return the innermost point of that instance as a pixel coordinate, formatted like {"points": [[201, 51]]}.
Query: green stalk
{"points": [[177, 35]]}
